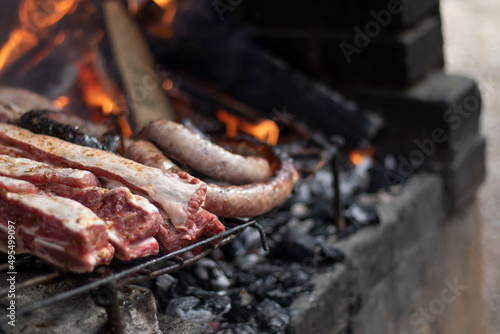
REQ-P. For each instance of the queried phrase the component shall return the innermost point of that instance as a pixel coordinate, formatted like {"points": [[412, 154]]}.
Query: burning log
{"points": [[136, 66]]}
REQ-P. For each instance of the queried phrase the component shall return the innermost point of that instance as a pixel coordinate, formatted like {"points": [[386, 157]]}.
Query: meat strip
{"points": [[42, 173], [146, 153], [180, 200], [238, 201], [73, 238], [172, 239], [14, 152], [131, 219], [180, 143], [17, 186]]}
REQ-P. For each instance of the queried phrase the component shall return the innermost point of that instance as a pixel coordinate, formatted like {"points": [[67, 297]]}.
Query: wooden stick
{"points": [[136, 66]]}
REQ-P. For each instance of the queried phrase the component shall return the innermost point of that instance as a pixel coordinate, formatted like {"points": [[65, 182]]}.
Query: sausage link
{"points": [[180, 143], [240, 201]]}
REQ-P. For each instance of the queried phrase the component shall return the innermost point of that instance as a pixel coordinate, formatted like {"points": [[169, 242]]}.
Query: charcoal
{"points": [[299, 210], [295, 245], [330, 252], [210, 274], [275, 318], [165, 287], [262, 285], [378, 179], [242, 307], [246, 278], [247, 262], [201, 306], [293, 278], [172, 325], [189, 308], [236, 329], [219, 301], [359, 215]]}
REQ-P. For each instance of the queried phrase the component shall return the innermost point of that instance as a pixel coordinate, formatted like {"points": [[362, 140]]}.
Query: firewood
{"points": [[136, 66]]}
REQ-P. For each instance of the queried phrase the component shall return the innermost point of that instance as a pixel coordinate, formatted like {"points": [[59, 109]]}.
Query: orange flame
{"points": [[358, 156], [265, 130], [95, 95], [61, 102], [163, 28], [34, 17]]}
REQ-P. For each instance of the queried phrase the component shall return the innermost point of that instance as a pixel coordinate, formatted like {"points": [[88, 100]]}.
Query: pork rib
{"points": [[131, 219], [73, 238], [17, 186], [171, 239], [180, 200], [41, 173]]}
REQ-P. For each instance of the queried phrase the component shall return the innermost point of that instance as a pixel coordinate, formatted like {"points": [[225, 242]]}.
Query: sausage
{"points": [[180, 143], [239, 201], [257, 198]]}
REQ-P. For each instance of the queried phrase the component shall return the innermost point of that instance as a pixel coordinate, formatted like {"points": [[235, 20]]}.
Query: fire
{"points": [[163, 28], [61, 102], [98, 95], [358, 156], [35, 16], [265, 130]]}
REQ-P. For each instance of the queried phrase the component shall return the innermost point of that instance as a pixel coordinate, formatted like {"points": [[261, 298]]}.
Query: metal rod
{"points": [[19, 262], [113, 310], [337, 201], [32, 281]]}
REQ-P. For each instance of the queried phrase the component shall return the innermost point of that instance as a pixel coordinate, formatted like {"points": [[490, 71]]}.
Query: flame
{"points": [[358, 156], [94, 93], [265, 130], [98, 96], [163, 28], [61, 102], [35, 16]]}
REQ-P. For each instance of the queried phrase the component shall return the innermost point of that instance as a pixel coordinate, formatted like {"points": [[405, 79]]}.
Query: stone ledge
{"points": [[371, 255], [436, 102]]}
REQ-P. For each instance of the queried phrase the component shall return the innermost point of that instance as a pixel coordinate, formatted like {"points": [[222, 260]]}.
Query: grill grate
{"points": [[106, 287]]}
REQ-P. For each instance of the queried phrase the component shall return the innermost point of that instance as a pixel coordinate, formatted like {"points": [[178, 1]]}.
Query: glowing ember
{"points": [[34, 17], [357, 156], [265, 130], [61, 102], [167, 84]]}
